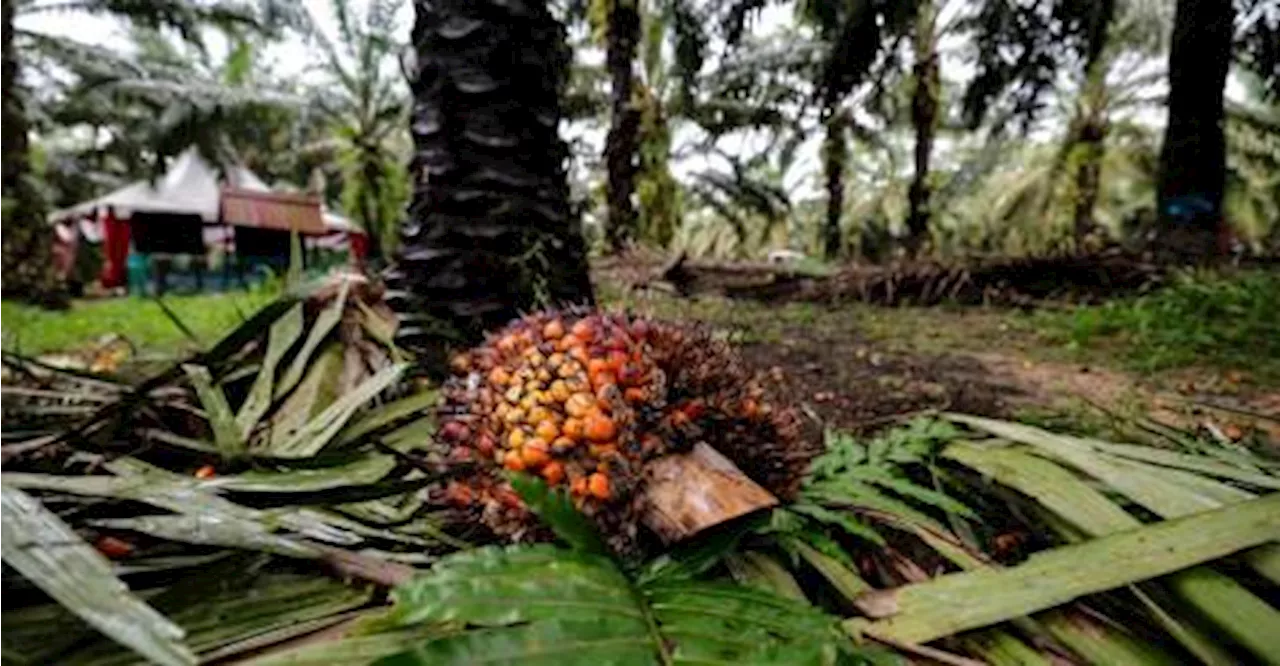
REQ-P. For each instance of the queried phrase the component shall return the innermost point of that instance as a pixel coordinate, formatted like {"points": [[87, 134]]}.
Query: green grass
{"points": [[30, 330], [1228, 321]]}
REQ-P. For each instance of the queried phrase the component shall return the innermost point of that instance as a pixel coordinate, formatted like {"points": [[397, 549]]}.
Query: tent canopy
{"points": [[190, 187]]}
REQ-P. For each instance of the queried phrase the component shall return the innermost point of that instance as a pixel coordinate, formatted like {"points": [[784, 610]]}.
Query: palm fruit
{"points": [[585, 400]]}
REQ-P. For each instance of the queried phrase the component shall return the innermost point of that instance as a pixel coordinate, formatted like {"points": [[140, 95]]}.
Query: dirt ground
{"points": [[860, 367]]}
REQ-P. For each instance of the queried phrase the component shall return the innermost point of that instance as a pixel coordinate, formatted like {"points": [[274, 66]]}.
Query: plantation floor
{"points": [[859, 366]]}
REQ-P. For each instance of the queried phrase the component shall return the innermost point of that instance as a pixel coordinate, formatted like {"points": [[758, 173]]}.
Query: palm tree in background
{"points": [[26, 244], [489, 230], [365, 105]]}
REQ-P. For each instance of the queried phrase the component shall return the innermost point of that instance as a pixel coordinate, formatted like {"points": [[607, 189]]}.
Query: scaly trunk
{"points": [[1089, 136], [623, 34], [1089, 151], [835, 154], [27, 240], [489, 231], [371, 209], [1193, 157], [924, 119]]}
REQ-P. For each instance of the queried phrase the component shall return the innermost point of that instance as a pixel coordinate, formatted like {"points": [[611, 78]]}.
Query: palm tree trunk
{"points": [[1193, 158], [835, 155], [489, 230], [27, 246], [1088, 147], [371, 209], [623, 139], [924, 118]]}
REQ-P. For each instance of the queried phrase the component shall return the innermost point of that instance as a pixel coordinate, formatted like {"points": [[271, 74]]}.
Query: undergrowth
{"points": [[1225, 320]]}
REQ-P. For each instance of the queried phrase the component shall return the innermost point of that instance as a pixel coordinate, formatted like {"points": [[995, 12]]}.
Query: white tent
{"points": [[191, 187]]}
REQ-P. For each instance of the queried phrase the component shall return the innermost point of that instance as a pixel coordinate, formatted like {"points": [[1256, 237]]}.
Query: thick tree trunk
{"points": [[1089, 150], [27, 240], [623, 139], [489, 231], [835, 154], [1193, 158], [924, 119]]}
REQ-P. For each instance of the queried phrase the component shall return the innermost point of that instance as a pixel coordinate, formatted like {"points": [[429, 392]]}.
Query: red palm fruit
{"points": [[484, 444], [459, 494], [454, 431], [113, 547]]}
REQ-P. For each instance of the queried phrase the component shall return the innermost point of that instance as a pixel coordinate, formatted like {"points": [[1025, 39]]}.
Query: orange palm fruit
{"points": [[578, 486], [636, 394], [573, 428], [507, 343], [513, 461], [596, 366], [602, 450], [553, 472], [617, 359], [206, 472], [534, 454], [562, 444], [559, 390], [553, 330], [598, 484], [499, 376], [547, 430], [599, 428], [604, 379], [583, 329], [516, 439], [579, 404], [568, 342]]}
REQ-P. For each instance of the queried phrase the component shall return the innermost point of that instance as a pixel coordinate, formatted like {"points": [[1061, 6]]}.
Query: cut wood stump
{"points": [[687, 493]]}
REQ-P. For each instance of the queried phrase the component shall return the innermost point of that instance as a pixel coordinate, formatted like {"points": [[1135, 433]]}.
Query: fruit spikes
{"points": [[585, 400]]}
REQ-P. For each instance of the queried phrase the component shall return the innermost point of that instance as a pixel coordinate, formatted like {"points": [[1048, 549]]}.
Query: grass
{"points": [[1202, 319], [143, 322]]}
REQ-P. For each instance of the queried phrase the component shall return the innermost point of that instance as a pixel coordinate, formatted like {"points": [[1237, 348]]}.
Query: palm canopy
{"points": [[362, 100]]}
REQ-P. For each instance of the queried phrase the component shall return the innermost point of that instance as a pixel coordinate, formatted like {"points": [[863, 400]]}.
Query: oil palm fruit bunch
{"points": [[586, 400]]}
